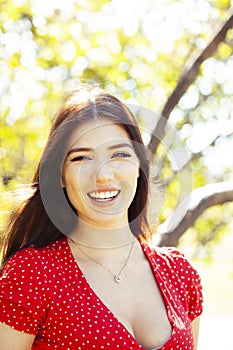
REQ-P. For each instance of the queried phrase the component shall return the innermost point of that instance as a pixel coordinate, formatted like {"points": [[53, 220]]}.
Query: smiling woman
{"points": [[78, 270], [100, 176]]}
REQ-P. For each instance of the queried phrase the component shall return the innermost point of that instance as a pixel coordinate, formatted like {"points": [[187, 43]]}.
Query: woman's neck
{"points": [[102, 237]]}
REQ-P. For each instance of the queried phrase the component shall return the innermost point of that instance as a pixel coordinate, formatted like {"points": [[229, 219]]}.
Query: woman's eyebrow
{"points": [[88, 149], [80, 149], [120, 145]]}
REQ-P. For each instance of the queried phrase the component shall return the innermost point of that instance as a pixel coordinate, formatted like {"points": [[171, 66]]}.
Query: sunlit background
{"points": [[137, 50]]}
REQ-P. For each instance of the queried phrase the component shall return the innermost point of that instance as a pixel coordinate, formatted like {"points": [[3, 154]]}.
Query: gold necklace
{"points": [[116, 277], [105, 247]]}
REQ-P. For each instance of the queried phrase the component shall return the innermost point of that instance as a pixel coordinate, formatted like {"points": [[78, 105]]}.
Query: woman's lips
{"points": [[104, 195]]}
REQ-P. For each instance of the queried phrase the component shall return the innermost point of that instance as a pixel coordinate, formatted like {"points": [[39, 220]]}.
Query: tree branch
{"points": [[201, 199], [186, 79]]}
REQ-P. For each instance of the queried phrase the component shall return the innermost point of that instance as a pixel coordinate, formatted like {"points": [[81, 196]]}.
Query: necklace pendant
{"points": [[117, 279]]}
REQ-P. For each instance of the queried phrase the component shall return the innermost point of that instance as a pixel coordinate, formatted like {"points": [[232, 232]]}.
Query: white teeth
{"points": [[106, 195]]}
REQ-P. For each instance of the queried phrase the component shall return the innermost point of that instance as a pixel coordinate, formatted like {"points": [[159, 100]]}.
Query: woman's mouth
{"points": [[104, 196]]}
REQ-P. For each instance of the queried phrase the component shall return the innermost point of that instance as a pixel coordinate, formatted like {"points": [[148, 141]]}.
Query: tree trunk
{"points": [[201, 199], [187, 78]]}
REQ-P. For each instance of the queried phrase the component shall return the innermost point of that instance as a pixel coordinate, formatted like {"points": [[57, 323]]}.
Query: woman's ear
{"points": [[62, 183]]}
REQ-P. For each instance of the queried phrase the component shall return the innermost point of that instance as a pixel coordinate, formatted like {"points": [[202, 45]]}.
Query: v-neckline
{"points": [[145, 249]]}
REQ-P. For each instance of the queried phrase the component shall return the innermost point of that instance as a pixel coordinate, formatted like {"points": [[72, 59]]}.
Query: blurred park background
{"points": [[174, 58]]}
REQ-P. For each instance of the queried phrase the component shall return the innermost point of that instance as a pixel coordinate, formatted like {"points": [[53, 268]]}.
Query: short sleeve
{"points": [[23, 291], [191, 282]]}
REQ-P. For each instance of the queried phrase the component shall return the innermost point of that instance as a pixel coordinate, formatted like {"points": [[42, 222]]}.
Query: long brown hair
{"points": [[45, 216]]}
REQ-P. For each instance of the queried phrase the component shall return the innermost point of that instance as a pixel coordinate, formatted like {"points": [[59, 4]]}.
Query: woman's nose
{"points": [[104, 172]]}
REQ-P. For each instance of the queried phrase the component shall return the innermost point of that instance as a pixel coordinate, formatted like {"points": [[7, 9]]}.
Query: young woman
{"points": [[78, 271]]}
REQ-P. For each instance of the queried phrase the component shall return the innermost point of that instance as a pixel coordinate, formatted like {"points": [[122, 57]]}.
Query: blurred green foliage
{"points": [[136, 50]]}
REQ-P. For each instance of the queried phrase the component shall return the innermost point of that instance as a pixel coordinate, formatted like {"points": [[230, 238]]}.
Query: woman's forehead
{"points": [[94, 133]]}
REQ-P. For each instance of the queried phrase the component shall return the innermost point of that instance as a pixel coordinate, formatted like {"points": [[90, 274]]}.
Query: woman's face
{"points": [[100, 173]]}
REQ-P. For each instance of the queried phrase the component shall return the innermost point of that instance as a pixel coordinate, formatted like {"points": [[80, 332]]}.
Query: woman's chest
{"points": [[98, 310], [137, 303], [86, 313]]}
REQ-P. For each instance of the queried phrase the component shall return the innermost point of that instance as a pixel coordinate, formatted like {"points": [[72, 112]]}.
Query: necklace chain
{"points": [[105, 247], [116, 277]]}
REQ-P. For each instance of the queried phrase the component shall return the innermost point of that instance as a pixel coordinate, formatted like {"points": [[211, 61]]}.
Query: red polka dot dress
{"points": [[43, 292]]}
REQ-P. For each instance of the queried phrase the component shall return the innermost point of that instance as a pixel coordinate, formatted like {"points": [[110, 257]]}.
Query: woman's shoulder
{"points": [[173, 262], [179, 268], [179, 272], [171, 259], [31, 258], [168, 254], [171, 255]]}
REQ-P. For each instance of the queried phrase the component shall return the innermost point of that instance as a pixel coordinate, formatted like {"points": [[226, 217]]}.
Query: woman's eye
{"points": [[121, 155], [79, 158]]}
